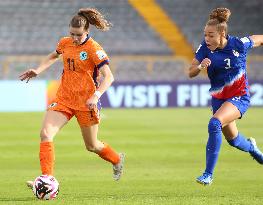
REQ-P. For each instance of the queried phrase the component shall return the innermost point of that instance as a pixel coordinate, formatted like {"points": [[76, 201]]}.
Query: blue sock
{"points": [[213, 144], [241, 143]]}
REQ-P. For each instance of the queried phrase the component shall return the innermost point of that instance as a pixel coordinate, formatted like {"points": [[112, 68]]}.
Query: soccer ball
{"points": [[45, 187]]}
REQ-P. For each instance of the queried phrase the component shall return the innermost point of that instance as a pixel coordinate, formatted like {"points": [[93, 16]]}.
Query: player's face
{"points": [[78, 35], [212, 37]]}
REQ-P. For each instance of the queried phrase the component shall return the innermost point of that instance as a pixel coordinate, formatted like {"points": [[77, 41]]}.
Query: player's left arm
{"points": [[107, 78], [257, 40]]}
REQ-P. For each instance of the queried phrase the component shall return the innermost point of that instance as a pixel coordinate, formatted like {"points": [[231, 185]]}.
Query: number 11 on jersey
{"points": [[71, 64]]}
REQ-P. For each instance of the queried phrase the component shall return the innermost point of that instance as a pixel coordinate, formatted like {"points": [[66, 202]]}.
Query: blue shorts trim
{"points": [[242, 103]]}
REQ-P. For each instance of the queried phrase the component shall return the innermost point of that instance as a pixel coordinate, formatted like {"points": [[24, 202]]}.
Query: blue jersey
{"points": [[227, 72]]}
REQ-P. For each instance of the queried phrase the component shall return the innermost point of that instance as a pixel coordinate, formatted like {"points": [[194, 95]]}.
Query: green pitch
{"points": [[165, 152]]}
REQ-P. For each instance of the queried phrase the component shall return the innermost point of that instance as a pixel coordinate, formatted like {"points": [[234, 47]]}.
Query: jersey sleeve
{"points": [[201, 53], [244, 44], [60, 46], [99, 56]]}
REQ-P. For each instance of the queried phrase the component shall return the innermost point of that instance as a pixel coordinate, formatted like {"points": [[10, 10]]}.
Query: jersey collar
{"points": [[87, 38], [227, 44]]}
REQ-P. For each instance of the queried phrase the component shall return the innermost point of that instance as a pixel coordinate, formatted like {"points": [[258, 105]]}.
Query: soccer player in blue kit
{"points": [[224, 57]]}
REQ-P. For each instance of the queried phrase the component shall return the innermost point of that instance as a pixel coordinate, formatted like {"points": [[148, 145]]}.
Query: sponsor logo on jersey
{"points": [[245, 40], [101, 54], [52, 105]]}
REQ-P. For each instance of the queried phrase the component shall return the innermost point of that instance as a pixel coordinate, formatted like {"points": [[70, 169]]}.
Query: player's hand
{"points": [[205, 63], [92, 102], [27, 75]]}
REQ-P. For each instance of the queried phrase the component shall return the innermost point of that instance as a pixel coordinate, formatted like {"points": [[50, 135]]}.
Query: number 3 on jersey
{"points": [[227, 60], [71, 64]]}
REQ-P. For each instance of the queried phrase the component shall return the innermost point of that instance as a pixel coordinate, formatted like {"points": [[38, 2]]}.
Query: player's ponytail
{"points": [[91, 16], [219, 17]]}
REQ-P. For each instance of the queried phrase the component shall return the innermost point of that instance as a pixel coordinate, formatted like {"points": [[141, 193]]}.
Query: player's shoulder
{"points": [[239, 43], [96, 50], [65, 40], [93, 45], [234, 40], [202, 47], [242, 40]]}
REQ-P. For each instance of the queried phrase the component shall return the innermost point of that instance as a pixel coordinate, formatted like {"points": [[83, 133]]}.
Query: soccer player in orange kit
{"points": [[79, 92]]}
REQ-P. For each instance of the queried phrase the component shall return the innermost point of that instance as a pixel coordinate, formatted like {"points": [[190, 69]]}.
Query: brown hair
{"points": [[219, 18], [86, 16]]}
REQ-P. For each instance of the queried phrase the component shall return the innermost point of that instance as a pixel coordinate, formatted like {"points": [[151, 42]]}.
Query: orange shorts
{"points": [[84, 118]]}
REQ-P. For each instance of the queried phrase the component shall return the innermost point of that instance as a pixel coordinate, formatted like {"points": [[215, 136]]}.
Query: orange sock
{"points": [[108, 154], [47, 157]]}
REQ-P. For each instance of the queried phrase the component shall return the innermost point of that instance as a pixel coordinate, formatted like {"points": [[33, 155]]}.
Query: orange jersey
{"points": [[81, 65]]}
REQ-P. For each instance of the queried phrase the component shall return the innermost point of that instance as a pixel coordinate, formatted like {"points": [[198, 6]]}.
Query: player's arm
{"points": [[107, 78], [44, 65], [196, 67], [257, 40]]}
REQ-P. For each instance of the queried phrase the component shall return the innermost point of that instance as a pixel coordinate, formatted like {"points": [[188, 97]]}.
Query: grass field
{"points": [[165, 152]]}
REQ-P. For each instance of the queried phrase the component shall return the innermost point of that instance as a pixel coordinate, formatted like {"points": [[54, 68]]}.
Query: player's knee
{"points": [[214, 125], [91, 148], [45, 135]]}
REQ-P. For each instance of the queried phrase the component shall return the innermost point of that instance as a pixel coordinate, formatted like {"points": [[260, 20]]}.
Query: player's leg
{"points": [[102, 149], [224, 115], [235, 139], [88, 122], [238, 141], [52, 123]]}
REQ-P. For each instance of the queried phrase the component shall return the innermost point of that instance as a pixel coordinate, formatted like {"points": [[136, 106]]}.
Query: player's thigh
{"points": [[52, 123], [230, 131], [90, 134], [88, 118], [227, 113], [89, 124]]}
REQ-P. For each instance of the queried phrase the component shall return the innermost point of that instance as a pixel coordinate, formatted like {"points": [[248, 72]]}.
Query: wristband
{"points": [[200, 67], [98, 94]]}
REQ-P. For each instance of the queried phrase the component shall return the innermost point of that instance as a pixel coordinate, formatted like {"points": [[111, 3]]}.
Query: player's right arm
{"points": [[196, 67], [200, 62], [44, 65]]}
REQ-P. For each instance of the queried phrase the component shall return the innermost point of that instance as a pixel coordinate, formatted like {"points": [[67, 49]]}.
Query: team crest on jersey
{"points": [[235, 53], [83, 55]]}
